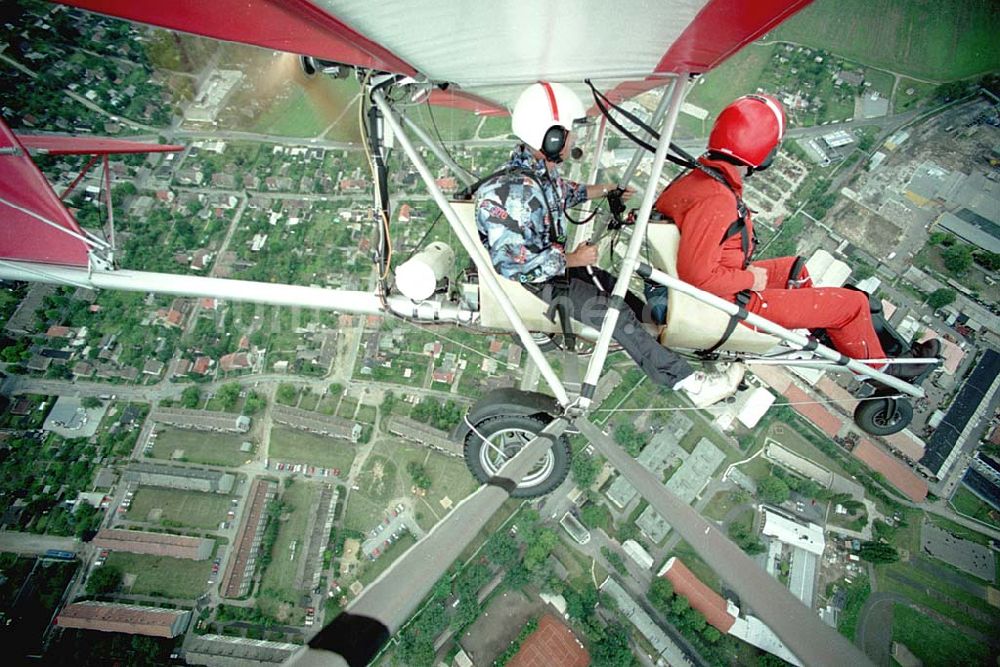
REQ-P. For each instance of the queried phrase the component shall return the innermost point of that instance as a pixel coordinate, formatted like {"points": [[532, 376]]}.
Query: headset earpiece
{"points": [[553, 142]]}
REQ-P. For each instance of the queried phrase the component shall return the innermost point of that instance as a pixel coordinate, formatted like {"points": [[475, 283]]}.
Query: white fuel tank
{"points": [[418, 276]]}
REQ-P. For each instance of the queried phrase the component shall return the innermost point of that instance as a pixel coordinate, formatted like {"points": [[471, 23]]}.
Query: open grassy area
{"points": [[217, 449], [290, 445], [967, 503], [173, 507], [163, 576], [790, 439], [307, 107], [385, 478], [920, 38], [737, 76], [722, 502], [933, 642], [279, 595], [371, 569]]}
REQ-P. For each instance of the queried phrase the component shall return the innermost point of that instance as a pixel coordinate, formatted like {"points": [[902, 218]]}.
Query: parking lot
{"points": [[395, 523]]}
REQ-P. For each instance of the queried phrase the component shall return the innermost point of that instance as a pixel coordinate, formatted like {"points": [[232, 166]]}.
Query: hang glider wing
{"points": [[37, 227], [486, 49], [53, 144]]}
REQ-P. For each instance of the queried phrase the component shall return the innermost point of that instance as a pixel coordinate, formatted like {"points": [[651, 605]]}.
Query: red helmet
{"points": [[750, 129]]}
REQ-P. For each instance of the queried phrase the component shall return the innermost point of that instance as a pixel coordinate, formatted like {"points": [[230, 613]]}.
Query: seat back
{"points": [[530, 307], [692, 324]]}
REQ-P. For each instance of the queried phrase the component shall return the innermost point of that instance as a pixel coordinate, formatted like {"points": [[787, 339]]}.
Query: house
{"points": [[202, 365], [153, 367], [235, 361]]}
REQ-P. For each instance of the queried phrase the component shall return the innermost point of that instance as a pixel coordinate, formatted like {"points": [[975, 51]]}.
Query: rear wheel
{"points": [[496, 440], [883, 416]]}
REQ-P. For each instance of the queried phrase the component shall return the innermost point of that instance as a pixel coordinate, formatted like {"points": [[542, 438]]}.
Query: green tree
{"points": [[419, 474], [190, 397], [91, 402], [878, 552], [711, 635], [287, 394], [541, 545], [773, 490], [105, 579], [254, 403], [660, 593], [502, 549], [594, 516], [630, 439], [941, 238], [228, 394], [958, 258], [941, 297], [584, 469], [989, 260]]}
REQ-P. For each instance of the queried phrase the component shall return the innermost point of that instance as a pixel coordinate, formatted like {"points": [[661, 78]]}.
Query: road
{"points": [[29, 543]]}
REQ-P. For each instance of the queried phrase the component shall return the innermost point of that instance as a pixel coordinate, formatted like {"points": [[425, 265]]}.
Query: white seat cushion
{"points": [[691, 324]]}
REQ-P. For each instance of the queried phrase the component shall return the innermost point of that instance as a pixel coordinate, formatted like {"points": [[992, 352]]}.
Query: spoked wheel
{"points": [[496, 440], [883, 416]]}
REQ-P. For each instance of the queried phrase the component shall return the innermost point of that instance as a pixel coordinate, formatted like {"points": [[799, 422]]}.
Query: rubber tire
{"points": [[870, 415], [489, 426]]}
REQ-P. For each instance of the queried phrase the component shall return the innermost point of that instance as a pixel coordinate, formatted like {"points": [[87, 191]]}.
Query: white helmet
{"points": [[543, 117]]}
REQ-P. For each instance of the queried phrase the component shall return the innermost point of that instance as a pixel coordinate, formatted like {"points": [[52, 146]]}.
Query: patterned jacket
{"points": [[521, 218]]}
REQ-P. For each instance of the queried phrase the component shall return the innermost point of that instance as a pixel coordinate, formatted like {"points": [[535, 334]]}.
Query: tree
{"points": [[419, 474], [91, 402], [660, 593], [228, 394], [190, 397], [878, 552], [105, 579], [254, 403], [502, 549], [595, 516], [287, 393], [940, 298], [958, 258], [941, 238], [773, 490], [584, 469], [630, 439], [989, 260], [679, 605], [711, 635]]}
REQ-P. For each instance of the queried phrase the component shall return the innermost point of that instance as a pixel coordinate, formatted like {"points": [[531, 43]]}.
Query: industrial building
{"points": [[126, 618], [154, 544], [177, 477]]}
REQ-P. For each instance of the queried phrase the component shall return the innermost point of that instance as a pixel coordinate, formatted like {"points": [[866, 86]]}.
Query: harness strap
{"points": [[742, 300]]}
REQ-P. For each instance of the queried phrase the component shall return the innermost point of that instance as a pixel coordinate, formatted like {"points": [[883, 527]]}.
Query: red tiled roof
{"points": [[775, 378], [201, 365], [843, 398], [58, 332], [234, 361], [906, 444], [894, 470], [155, 544], [816, 413], [551, 645], [700, 596]]}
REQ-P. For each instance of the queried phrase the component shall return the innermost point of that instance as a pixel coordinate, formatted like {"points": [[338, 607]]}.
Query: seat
{"points": [[530, 307], [692, 324]]}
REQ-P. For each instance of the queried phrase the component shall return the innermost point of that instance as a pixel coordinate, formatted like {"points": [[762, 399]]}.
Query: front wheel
{"points": [[496, 440], [883, 416]]}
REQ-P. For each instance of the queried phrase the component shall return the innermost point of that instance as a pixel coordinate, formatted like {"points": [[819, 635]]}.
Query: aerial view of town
{"points": [[209, 481]]}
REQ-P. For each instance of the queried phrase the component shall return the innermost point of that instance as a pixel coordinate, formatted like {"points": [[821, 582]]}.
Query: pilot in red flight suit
{"points": [[717, 239]]}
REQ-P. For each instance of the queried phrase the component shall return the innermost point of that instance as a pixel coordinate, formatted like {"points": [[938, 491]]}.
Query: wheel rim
{"points": [[881, 419], [501, 446]]}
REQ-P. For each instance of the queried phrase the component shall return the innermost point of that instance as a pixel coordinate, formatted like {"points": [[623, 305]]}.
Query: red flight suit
{"points": [[703, 210]]}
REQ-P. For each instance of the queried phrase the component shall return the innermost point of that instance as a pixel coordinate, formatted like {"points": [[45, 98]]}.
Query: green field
{"points": [[384, 479], [967, 503], [193, 509], [733, 78], [290, 445], [941, 41], [309, 107], [934, 642], [201, 447], [278, 596], [371, 569], [163, 576]]}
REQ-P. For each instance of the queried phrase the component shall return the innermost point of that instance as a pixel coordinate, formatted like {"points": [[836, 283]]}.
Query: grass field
{"points": [[183, 508], [967, 503], [942, 41], [201, 447], [933, 642], [384, 478], [278, 581], [371, 569], [290, 445], [163, 576], [306, 108], [733, 78]]}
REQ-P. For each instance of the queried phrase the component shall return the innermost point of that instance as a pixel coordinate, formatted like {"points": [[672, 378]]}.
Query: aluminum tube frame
{"points": [[656, 118], [357, 302], [486, 274], [786, 335], [581, 232], [635, 243], [439, 151]]}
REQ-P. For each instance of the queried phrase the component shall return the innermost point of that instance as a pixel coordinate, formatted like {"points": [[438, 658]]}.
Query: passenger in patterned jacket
{"points": [[521, 217]]}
